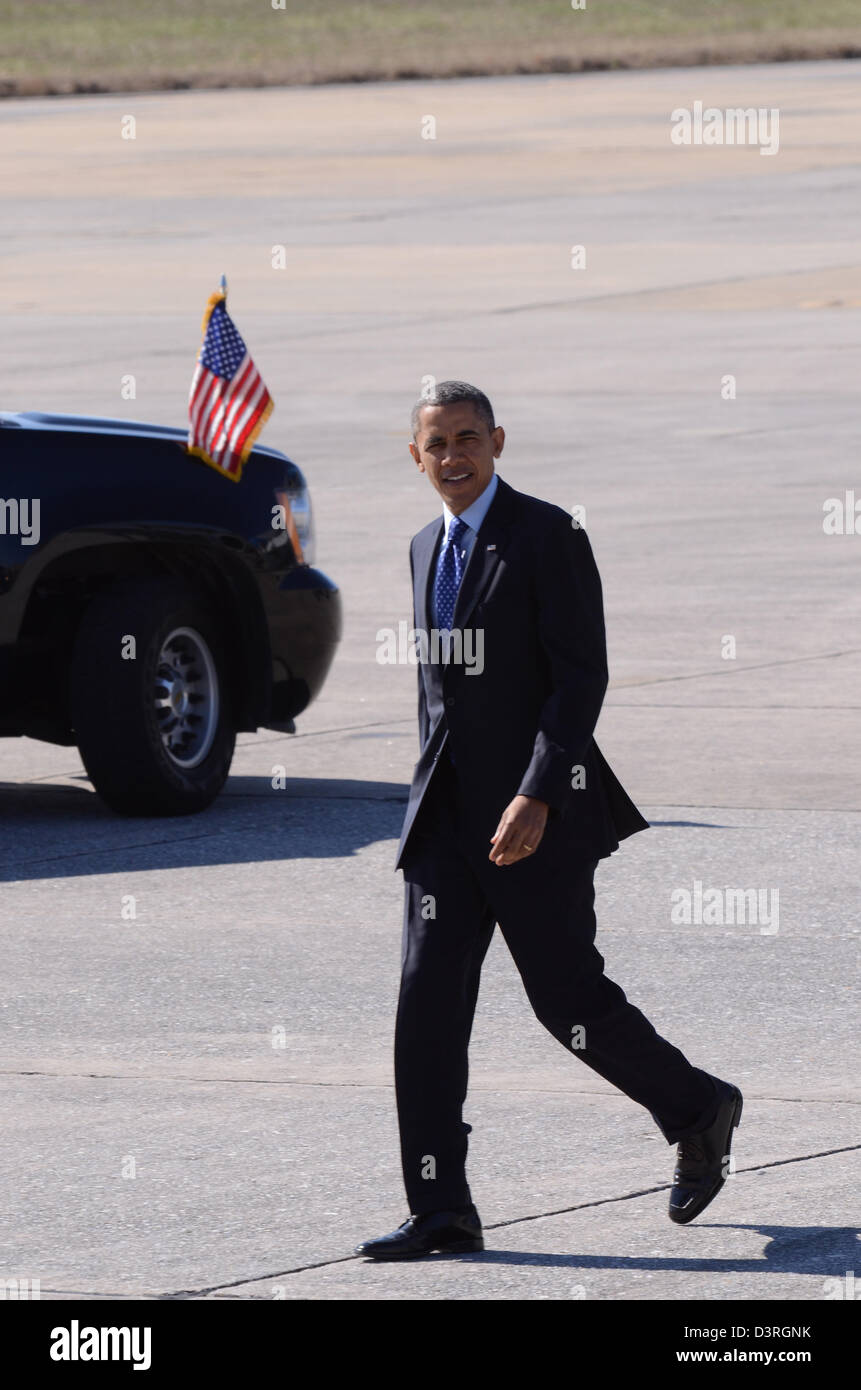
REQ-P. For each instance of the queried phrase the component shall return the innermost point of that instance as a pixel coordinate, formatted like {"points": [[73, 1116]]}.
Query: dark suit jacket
{"points": [[522, 725]]}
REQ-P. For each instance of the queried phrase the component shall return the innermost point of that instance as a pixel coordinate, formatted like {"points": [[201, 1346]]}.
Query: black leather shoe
{"points": [[452, 1232], [701, 1160]]}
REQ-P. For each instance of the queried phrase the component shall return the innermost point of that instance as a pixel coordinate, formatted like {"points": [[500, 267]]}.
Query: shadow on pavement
{"points": [[61, 831], [817, 1250], [692, 825]]}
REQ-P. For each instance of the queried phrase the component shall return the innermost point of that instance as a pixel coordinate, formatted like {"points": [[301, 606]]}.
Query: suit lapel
{"points": [[489, 546], [426, 544], [490, 543]]}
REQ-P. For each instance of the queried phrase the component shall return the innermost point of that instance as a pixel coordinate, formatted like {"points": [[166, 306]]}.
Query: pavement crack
{"points": [[499, 1225], [667, 704], [190, 1080], [115, 849], [380, 1085], [299, 737], [90, 1293], [728, 671], [315, 796], [585, 301], [665, 1187], [259, 1279]]}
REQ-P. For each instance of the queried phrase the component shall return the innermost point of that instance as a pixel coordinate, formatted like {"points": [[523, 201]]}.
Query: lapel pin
{"points": [[491, 547]]}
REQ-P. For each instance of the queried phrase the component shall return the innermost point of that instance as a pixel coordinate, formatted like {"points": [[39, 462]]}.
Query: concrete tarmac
{"points": [[199, 1102]]}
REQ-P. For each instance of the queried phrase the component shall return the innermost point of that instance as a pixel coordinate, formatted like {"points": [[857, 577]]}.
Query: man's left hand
{"points": [[519, 832]]}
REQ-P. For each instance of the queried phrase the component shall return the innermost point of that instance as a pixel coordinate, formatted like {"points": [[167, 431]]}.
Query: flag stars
{"points": [[224, 349]]}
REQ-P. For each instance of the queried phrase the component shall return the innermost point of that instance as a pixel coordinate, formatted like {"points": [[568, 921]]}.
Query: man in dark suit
{"points": [[511, 807]]}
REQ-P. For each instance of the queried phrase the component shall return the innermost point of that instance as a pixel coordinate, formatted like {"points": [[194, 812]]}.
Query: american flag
{"points": [[228, 404]]}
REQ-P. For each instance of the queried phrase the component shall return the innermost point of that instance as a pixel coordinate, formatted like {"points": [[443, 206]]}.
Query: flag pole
{"points": [[228, 403]]}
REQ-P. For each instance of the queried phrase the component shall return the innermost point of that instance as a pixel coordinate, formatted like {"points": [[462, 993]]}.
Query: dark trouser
{"points": [[545, 911]]}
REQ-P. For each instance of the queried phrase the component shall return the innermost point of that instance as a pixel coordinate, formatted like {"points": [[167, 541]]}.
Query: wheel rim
{"points": [[186, 697]]}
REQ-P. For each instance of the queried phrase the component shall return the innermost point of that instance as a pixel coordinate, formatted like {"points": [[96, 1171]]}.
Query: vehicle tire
{"points": [[154, 729]]}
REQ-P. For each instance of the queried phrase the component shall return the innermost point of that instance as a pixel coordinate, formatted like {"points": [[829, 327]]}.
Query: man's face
{"points": [[456, 450]]}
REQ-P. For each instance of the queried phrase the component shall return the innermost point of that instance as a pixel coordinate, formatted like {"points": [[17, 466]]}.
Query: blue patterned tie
{"points": [[449, 572]]}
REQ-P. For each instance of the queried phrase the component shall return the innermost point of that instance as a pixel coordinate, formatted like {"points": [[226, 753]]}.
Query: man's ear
{"points": [[418, 458], [498, 438]]}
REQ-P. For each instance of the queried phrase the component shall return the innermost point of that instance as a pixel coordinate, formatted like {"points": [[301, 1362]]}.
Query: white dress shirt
{"points": [[472, 517]]}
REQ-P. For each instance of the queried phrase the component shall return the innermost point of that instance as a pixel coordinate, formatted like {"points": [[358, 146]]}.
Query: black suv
{"points": [[150, 609]]}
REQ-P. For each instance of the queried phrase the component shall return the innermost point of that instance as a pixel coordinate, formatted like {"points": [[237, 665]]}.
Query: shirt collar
{"points": [[476, 511]]}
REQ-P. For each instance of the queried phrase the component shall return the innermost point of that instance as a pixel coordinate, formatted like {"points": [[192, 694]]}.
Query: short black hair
{"points": [[452, 393]]}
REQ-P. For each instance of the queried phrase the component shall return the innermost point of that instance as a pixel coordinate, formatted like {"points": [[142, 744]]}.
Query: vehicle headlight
{"points": [[300, 505], [296, 501]]}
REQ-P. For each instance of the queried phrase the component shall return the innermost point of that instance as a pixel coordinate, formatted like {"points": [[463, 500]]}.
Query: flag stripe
{"points": [[246, 378], [208, 383], [228, 398], [251, 419], [228, 407], [236, 394]]}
